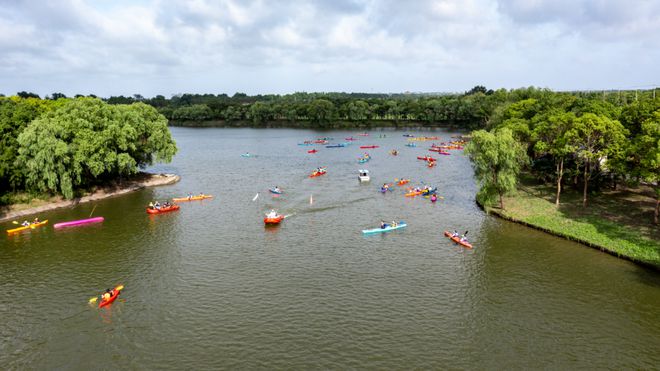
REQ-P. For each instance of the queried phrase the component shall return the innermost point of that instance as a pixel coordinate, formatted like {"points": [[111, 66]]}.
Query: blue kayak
{"points": [[277, 192], [388, 228], [336, 145]]}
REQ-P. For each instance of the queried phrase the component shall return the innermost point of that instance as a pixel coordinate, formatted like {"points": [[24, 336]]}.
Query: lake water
{"points": [[209, 287]]}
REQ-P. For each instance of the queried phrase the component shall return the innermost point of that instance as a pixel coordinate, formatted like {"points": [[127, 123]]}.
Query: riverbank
{"points": [[617, 222], [140, 181], [334, 125]]}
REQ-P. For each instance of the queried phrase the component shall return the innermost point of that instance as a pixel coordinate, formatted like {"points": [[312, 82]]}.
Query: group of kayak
{"points": [[386, 227], [156, 207], [27, 225], [365, 158]]}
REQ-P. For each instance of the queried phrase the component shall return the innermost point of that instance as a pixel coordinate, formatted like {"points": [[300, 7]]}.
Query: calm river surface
{"points": [[209, 287]]}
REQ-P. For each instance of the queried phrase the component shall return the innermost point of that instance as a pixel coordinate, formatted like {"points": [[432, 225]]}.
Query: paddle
{"points": [[94, 299], [255, 197], [94, 208]]}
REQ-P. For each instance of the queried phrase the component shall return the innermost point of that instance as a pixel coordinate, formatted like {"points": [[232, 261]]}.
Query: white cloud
{"points": [[161, 47]]}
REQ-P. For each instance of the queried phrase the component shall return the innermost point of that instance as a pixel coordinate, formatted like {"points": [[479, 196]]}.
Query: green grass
{"points": [[619, 222]]}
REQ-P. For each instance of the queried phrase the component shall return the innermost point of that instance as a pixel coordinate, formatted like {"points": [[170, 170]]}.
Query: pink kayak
{"points": [[74, 223]]}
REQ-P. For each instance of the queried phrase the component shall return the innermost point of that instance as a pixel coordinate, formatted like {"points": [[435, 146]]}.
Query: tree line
{"points": [[582, 141], [57, 146]]}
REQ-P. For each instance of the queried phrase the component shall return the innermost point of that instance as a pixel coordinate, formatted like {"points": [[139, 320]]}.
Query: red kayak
{"points": [[427, 158], [162, 209], [113, 295], [275, 220], [368, 146], [312, 151], [458, 240]]}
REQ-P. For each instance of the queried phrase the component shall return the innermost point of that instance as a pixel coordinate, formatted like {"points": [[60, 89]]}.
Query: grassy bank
{"points": [[616, 221]]}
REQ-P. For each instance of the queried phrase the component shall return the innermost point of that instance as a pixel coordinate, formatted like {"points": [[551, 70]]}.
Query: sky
{"points": [[167, 47]]}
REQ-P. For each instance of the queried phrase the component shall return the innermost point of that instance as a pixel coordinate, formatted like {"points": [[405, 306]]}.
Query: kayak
{"points": [[163, 209], [431, 164], [74, 223], [413, 193], [426, 158], [113, 295], [387, 228], [275, 191], [193, 198], [403, 181], [364, 134], [306, 144], [31, 226], [340, 145], [312, 151], [368, 146], [429, 191], [411, 145], [458, 240], [317, 173], [275, 220], [362, 160], [246, 155], [350, 138]]}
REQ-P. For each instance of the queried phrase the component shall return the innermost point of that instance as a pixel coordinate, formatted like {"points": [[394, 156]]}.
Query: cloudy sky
{"points": [[112, 47]]}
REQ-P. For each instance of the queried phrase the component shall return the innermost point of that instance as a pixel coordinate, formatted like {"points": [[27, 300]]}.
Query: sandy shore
{"points": [[141, 181]]}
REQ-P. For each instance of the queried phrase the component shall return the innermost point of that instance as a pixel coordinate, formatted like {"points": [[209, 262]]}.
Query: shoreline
{"points": [[502, 214], [143, 180]]}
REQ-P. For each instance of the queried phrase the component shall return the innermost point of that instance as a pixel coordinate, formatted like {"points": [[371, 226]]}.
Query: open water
{"points": [[209, 287]]}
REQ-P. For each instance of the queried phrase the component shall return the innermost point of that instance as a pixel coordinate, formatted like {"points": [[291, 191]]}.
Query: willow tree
{"points": [[497, 158], [87, 141], [594, 138]]}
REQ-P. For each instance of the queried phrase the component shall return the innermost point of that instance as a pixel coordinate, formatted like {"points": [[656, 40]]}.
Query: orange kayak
{"points": [[413, 194], [193, 198], [403, 181], [163, 209], [317, 173], [458, 240]]}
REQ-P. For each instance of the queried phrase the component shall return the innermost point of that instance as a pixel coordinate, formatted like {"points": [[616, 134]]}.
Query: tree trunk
{"points": [[560, 173], [501, 202], [586, 178], [657, 210]]}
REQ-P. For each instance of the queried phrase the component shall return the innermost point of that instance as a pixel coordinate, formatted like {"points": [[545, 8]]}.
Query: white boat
{"points": [[364, 175]]}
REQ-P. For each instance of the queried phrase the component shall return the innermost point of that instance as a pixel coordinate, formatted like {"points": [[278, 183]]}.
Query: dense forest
{"points": [[587, 140], [59, 146]]}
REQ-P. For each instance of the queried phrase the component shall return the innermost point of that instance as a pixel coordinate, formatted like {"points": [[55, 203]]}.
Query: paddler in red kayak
{"points": [[106, 295]]}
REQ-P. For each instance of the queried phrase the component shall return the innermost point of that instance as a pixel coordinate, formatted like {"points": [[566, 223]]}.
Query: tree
{"points": [[497, 158], [550, 136], [321, 111], [85, 141], [594, 138], [647, 146]]}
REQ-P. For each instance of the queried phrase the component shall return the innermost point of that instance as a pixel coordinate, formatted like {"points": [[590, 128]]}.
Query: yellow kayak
{"points": [[31, 226], [193, 198]]}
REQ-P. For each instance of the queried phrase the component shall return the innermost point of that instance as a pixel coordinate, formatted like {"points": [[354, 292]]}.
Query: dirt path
{"points": [[141, 181]]}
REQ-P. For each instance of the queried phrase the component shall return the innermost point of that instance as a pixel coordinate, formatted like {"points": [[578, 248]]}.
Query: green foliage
{"points": [[497, 158], [86, 140], [595, 138]]}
